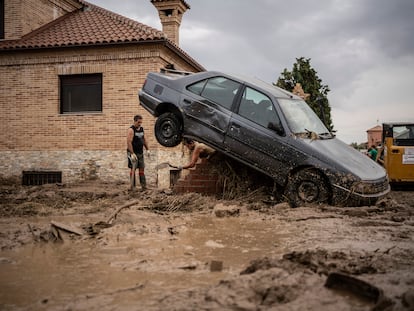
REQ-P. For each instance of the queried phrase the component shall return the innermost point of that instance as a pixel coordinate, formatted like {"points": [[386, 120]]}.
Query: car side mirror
{"points": [[277, 127]]}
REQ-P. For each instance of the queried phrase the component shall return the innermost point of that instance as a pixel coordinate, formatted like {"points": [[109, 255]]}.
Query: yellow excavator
{"points": [[397, 152]]}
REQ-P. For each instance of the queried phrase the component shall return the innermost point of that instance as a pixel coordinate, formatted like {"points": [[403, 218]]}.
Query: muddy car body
{"points": [[266, 128]]}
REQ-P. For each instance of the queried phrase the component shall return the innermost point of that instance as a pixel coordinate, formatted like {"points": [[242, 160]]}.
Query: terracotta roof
{"points": [[375, 128], [90, 25]]}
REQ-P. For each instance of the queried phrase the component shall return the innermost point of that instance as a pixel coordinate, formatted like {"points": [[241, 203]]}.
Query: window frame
{"points": [[87, 89], [214, 92], [250, 108]]}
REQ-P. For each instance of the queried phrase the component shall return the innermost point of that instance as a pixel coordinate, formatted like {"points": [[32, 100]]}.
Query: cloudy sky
{"points": [[362, 49]]}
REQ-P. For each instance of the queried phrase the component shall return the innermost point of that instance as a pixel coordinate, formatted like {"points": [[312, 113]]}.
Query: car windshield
{"points": [[301, 118]]}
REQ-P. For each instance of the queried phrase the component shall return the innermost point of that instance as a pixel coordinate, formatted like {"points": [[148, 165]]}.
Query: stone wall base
{"points": [[110, 166]]}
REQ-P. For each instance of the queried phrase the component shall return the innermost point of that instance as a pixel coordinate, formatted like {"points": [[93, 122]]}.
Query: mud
{"points": [[190, 252]]}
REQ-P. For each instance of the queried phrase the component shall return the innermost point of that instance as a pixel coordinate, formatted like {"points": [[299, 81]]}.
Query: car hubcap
{"points": [[308, 191], [167, 129]]}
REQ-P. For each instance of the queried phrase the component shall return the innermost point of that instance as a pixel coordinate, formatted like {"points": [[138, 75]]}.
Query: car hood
{"points": [[336, 153]]}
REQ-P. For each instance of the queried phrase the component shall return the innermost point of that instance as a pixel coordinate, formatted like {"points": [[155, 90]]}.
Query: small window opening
{"points": [[174, 177], [168, 12], [32, 178]]}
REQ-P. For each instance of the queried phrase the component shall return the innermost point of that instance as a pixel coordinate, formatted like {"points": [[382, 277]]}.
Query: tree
{"points": [[304, 74]]}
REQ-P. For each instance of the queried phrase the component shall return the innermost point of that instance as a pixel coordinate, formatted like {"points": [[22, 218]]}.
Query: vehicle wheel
{"points": [[168, 130], [307, 187]]}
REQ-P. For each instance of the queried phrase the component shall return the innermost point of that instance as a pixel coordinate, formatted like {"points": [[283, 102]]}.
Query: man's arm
{"points": [[145, 142], [130, 137], [194, 158]]}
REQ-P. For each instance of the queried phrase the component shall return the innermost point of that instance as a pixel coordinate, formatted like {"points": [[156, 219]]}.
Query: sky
{"points": [[363, 50]]}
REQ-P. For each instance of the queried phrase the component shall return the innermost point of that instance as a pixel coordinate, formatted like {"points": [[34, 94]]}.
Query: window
{"points": [[300, 117], [258, 108], [80, 93], [403, 135], [219, 90]]}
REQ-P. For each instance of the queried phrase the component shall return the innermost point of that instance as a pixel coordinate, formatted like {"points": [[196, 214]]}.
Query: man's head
{"points": [[189, 143], [137, 120]]}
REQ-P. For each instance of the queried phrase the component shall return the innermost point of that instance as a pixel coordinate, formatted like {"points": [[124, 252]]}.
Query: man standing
{"points": [[135, 151]]}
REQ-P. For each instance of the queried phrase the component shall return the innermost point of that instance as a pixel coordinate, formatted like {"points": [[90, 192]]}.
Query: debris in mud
{"points": [[297, 278], [114, 214], [221, 210], [359, 288], [67, 228], [408, 299], [187, 202], [324, 262], [241, 182], [95, 229], [216, 266], [51, 235]]}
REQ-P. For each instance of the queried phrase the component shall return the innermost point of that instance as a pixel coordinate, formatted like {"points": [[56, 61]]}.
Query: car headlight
{"points": [[365, 187]]}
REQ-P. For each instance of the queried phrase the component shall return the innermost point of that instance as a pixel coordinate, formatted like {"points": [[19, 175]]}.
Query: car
{"points": [[268, 129]]}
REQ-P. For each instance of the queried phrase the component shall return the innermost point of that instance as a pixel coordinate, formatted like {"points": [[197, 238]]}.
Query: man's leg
{"points": [[132, 178], [132, 165], [142, 179], [141, 171]]}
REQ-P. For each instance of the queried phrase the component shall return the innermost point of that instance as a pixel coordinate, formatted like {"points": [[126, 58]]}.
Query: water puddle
{"points": [[128, 266]]}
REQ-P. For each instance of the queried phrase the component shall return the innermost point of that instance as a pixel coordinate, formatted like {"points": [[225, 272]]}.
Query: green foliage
{"points": [[304, 74], [357, 146]]}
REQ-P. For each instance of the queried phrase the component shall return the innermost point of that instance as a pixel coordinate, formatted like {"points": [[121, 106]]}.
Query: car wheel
{"points": [[307, 187], [168, 130]]}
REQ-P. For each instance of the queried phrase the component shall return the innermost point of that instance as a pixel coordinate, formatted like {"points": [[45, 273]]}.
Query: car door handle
{"points": [[186, 101], [235, 128]]}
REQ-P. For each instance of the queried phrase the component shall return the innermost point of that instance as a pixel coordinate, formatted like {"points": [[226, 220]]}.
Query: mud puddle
{"points": [[132, 262]]}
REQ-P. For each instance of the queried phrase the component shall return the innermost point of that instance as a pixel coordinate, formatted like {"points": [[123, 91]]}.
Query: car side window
{"points": [[219, 90], [258, 108], [197, 88]]}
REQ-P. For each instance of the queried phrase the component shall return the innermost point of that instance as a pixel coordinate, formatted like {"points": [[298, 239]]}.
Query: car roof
{"points": [[399, 123], [271, 88], [253, 82]]}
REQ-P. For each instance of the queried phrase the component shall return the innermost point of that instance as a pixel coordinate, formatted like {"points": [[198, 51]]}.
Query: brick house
{"points": [[70, 73], [374, 136]]}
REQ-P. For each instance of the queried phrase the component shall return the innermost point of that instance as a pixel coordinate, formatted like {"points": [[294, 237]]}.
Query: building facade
{"points": [[70, 73], [374, 136]]}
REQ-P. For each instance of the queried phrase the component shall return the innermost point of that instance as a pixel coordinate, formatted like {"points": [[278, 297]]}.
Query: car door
{"points": [[207, 105], [256, 136]]}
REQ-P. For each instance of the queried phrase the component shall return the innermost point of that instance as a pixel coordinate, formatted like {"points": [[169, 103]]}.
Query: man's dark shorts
{"points": [[140, 163]]}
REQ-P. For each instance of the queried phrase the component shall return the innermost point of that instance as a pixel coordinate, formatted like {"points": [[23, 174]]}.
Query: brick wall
{"points": [[374, 136], [25, 16], [31, 127], [201, 179]]}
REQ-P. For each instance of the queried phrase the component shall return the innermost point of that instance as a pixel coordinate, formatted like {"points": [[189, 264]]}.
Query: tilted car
{"points": [[266, 128]]}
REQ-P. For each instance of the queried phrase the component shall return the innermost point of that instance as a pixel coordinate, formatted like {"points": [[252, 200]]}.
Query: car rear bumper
{"points": [[149, 102]]}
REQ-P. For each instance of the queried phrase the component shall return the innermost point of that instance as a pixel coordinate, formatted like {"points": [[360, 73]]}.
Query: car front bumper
{"points": [[360, 193]]}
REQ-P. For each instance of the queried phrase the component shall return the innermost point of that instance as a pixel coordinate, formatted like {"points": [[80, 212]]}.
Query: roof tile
{"points": [[90, 25]]}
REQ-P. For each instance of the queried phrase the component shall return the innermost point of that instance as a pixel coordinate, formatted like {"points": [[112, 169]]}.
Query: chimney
{"points": [[171, 13]]}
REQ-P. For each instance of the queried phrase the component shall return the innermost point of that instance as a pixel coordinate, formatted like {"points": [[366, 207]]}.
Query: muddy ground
{"points": [[70, 247]]}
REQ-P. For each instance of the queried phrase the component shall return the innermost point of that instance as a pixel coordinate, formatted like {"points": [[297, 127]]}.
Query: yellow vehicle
{"points": [[397, 154]]}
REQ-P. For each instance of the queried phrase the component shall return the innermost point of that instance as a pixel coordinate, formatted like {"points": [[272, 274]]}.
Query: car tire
{"points": [[307, 187], [168, 130]]}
